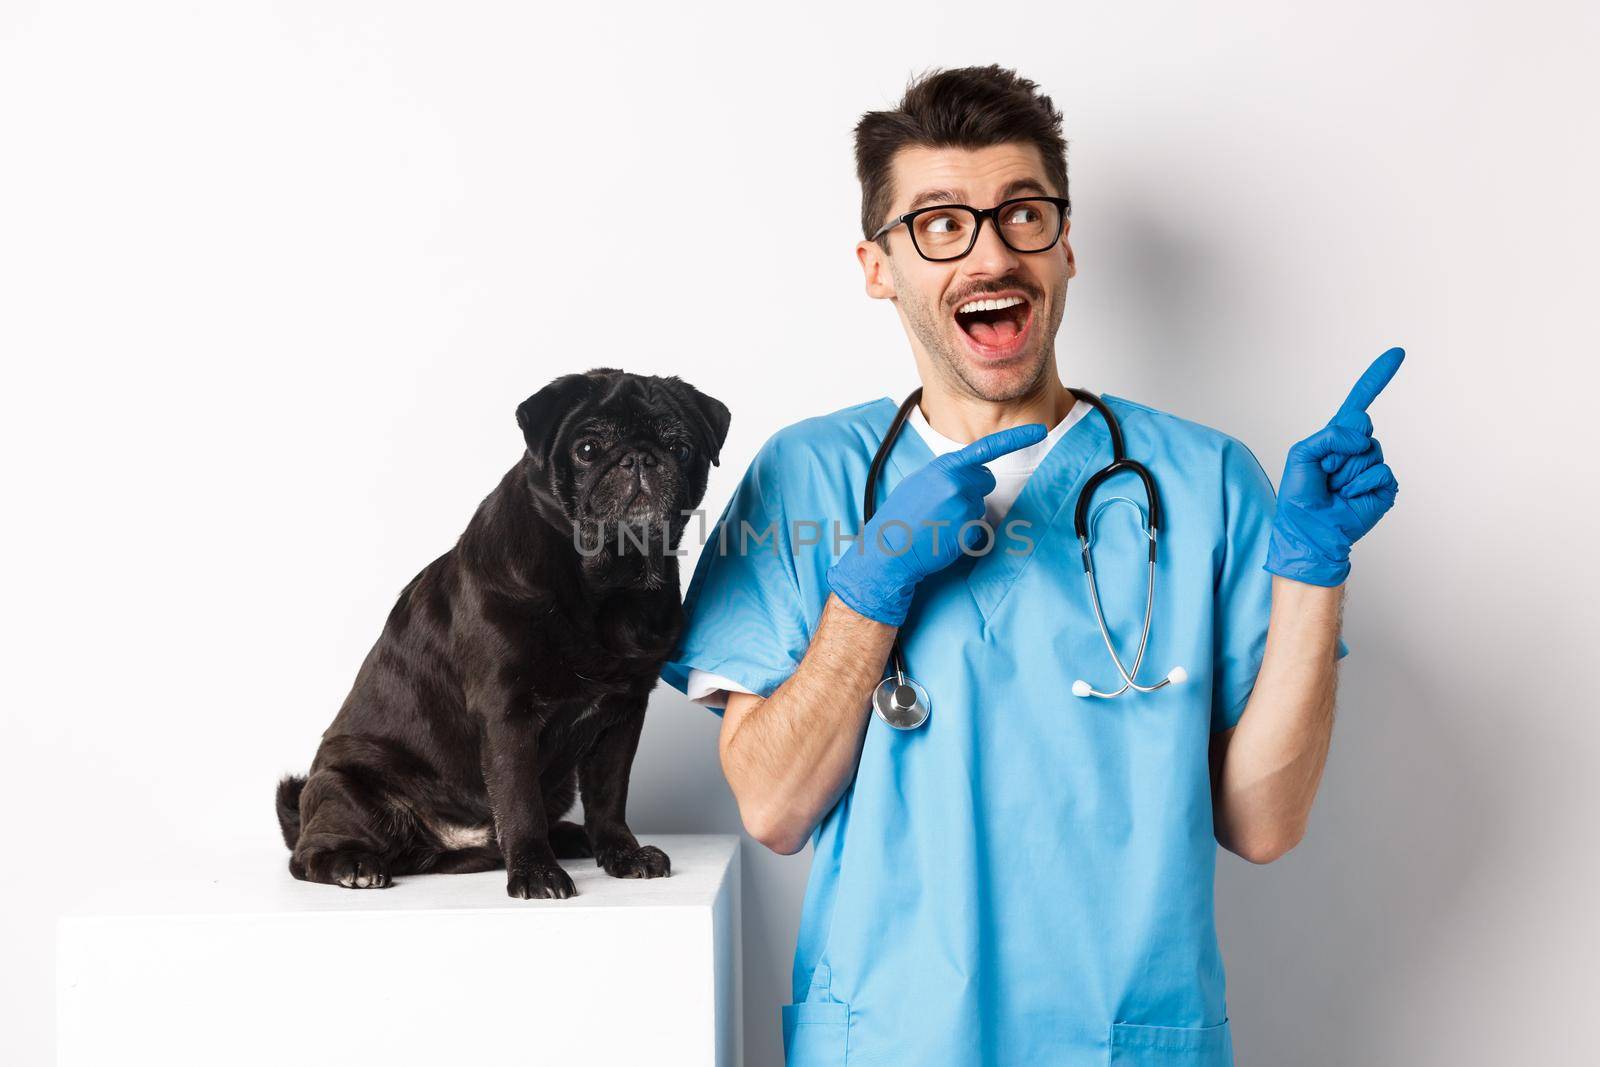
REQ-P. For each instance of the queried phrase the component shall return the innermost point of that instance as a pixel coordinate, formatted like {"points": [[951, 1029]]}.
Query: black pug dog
{"points": [[514, 670]]}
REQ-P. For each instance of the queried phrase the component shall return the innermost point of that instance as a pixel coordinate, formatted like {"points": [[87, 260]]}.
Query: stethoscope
{"points": [[901, 702]]}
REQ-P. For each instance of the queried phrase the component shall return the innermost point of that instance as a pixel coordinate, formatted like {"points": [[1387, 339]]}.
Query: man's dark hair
{"points": [[971, 107]]}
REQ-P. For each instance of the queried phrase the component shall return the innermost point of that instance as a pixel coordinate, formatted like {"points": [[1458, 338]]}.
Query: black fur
{"points": [[289, 807], [514, 669]]}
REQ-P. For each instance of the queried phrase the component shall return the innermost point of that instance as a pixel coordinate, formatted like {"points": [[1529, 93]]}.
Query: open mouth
{"points": [[995, 327]]}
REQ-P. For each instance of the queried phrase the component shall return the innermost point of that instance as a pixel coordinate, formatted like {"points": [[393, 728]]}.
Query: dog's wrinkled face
{"points": [[618, 460]]}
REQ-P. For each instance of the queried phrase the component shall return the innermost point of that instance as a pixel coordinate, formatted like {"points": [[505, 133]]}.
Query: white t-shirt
{"points": [[1011, 473]]}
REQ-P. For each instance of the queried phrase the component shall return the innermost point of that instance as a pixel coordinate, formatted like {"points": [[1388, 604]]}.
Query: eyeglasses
{"points": [[949, 231]]}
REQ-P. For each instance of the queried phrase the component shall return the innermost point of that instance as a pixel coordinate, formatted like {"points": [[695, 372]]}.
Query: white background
{"points": [[274, 277]]}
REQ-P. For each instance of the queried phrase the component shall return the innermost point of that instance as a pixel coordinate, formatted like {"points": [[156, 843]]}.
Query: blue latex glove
{"points": [[1335, 487], [916, 531]]}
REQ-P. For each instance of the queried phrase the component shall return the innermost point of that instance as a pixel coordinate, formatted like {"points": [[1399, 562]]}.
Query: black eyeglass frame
{"points": [[1063, 206]]}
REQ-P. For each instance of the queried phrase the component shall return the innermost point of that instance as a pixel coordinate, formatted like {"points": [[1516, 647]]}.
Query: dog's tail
{"points": [[289, 807]]}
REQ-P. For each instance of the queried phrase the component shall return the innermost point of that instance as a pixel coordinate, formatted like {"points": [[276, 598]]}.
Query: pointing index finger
{"points": [[1370, 384], [998, 444]]}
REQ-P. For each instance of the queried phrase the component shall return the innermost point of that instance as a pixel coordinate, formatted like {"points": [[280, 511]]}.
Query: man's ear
{"points": [[712, 418], [875, 270], [540, 415]]}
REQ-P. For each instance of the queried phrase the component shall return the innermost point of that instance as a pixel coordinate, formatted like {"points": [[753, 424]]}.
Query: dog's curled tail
{"points": [[289, 808]]}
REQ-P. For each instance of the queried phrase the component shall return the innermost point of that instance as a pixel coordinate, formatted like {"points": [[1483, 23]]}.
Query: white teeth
{"points": [[990, 305]]}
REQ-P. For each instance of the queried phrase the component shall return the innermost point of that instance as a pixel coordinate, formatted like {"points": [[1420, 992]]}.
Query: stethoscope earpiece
{"points": [[1176, 676]]}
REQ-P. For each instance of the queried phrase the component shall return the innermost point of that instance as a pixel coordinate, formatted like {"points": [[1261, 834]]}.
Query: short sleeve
{"points": [[1243, 600], [744, 618], [710, 689]]}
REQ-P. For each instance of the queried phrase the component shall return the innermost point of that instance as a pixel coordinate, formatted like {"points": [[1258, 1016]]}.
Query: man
{"points": [[1025, 878]]}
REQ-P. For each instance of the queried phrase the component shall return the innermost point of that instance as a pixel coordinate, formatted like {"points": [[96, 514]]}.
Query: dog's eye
{"points": [[586, 450], [681, 452]]}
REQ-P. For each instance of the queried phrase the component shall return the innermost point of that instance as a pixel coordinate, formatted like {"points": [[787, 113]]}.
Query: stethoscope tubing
{"points": [[1128, 675], [904, 686], [869, 504]]}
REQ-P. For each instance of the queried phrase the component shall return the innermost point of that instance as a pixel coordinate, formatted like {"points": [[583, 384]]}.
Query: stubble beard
{"points": [[932, 327]]}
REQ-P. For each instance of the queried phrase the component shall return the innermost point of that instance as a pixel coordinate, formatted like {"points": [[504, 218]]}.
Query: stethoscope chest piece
{"points": [[901, 702]]}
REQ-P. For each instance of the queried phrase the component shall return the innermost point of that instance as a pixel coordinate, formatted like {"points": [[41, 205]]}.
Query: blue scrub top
{"points": [[1027, 879]]}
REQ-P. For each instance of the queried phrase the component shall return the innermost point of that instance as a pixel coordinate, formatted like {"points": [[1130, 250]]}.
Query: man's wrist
{"points": [[1293, 555], [1306, 620], [856, 617], [877, 600]]}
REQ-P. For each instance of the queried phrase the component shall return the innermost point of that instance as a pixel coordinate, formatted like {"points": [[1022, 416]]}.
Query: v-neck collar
{"points": [[1047, 495]]}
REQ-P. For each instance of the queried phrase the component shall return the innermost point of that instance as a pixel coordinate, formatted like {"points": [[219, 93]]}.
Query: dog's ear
{"points": [[717, 417], [712, 417], [540, 414]]}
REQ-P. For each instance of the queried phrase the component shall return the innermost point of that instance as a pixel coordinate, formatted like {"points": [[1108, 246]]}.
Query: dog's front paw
{"points": [[646, 861], [540, 883], [347, 867], [361, 871]]}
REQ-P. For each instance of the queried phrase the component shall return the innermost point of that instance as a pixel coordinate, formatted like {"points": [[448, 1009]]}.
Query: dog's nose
{"points": [[638, 458]]}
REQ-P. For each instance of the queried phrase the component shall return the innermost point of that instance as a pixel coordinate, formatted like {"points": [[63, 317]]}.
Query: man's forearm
{"points": [[789, 757], [1272, 764]]}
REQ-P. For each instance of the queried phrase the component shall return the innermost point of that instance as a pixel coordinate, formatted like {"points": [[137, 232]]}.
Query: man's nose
{"points": [[991, 255]]}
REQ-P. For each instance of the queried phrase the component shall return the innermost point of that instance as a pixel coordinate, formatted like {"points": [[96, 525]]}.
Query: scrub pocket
{"points": [[1171, 1046], [815, 1033]]}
